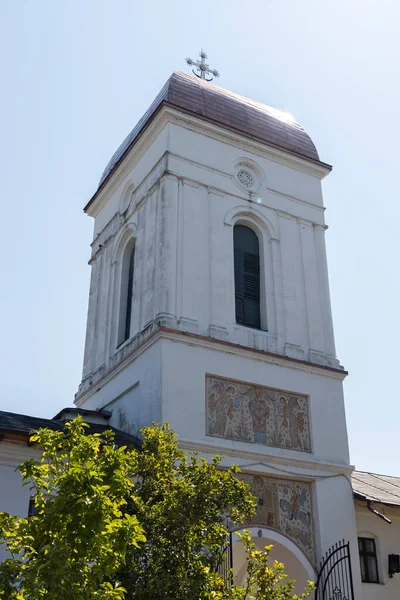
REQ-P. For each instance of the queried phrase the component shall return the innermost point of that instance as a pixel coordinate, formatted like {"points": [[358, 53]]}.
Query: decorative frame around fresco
{"points": [[274, 389], [260, 524]]}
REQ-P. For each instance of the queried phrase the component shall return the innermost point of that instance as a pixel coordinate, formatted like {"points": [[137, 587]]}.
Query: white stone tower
{"points": [[209, 306]]}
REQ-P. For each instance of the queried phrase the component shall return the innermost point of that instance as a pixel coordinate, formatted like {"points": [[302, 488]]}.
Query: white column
{"points": [[91, 320], [311, 288], [113, 312], [102, 307], [221, 279], [195, 257], [167, 250], [137, 295], [293, 288], [320, 249], [149, 262], [180, 279], [278, 289]]}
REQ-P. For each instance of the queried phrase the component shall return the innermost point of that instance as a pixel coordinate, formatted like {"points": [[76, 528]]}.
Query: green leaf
{"points": [[122, 524]]}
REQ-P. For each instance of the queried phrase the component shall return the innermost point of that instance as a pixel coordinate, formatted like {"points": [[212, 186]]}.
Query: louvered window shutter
{"points": [[129, 295], [247, 276]]}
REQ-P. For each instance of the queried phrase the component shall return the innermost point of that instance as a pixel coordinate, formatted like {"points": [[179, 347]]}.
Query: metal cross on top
{"points": [[201, 68]]}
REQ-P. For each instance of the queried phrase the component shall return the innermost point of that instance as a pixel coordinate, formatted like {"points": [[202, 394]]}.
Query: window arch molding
{"points": [[254, 216], [122, 272], [265, 231], [129, 230], [126, 196]]}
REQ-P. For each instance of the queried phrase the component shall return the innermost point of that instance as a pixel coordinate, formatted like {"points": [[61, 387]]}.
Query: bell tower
{"points": [[209, 305]]}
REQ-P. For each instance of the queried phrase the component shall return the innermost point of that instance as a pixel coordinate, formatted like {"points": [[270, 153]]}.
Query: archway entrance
{"points": [[284, 550]]}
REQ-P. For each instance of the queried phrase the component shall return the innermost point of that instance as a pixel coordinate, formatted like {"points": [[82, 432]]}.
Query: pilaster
{"points": [[221, 274], [167, 251], [293, 288], [91, 320], [149, 262], [278, 294], [98, 349], [325, 299], [311, 290]]}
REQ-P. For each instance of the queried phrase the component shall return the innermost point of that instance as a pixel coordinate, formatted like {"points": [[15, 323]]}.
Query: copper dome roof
{"points": [[222, 107]]}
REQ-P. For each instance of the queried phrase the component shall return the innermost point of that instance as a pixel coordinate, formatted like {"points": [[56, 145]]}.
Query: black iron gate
{"points": [[335, 578], [226, 564]]}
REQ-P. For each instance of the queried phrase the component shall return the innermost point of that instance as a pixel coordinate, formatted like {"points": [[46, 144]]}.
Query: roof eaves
{"points": [[19, 427], [231, 128], [250, 136], [362, 498], [123, 155], [83, 411]]}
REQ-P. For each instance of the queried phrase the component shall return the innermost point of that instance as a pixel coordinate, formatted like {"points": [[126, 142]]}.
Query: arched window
{"points": [[125, 307], [247, 276]]}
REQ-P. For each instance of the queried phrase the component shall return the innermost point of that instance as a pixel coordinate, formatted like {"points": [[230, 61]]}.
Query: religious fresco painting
{"points": [[284, 505], [251, 413]]}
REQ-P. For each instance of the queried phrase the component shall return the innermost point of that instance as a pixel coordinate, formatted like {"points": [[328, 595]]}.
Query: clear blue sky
{"points": [[77, 75]]}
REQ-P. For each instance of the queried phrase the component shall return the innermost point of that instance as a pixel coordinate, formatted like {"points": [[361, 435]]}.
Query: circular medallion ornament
{"points": [[245, 178], [250, 178]]}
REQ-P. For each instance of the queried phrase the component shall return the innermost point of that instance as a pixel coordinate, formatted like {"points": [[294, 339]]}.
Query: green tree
{"points": [[124, 524]]}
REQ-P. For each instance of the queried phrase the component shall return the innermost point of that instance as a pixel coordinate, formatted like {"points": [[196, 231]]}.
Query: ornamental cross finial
{"points": [[201, 68]]}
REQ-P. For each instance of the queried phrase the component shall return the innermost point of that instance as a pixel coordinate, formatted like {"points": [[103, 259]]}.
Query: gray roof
{"points": [[24, 424], [212, 103], [376, 488]]}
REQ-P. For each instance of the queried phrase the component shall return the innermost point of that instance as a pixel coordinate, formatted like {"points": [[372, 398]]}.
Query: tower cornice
{"points": [[141, 343], [167, 114]]}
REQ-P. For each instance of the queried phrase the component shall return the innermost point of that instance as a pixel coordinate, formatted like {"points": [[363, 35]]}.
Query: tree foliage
{"points": [[116, 523]]}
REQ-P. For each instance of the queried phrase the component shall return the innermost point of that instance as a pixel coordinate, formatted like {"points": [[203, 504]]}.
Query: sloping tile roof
{"points": [[24, 424], [225, 108], [376, 488]]}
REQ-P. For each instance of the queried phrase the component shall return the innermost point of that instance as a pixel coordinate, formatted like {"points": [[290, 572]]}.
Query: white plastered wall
{"points": [[14, 497], [132, 392], [387, 541], [182, 214], [180, 196], [185, 366], [180, 371]]}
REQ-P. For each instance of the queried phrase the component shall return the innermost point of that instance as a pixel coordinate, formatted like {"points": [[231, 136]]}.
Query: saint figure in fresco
{"points": [[259, 410], [266, 505], [293, 420], [229, 432], [220, 405], [294, 508]]}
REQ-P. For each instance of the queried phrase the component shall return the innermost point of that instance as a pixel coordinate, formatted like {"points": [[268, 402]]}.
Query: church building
{"points": [[209, 309]]}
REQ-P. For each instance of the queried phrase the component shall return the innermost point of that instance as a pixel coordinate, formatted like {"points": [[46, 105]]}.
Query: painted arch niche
{"points": [[297, 565], [284, 506]]}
